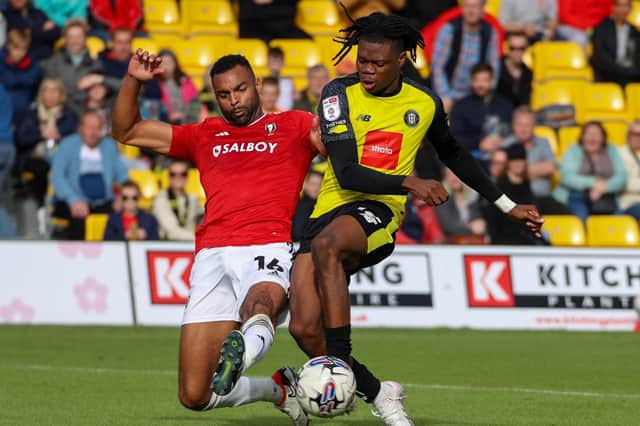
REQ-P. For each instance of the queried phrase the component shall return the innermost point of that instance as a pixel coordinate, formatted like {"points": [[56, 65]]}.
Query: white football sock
{"points": [[246, 391], [258, 336]]}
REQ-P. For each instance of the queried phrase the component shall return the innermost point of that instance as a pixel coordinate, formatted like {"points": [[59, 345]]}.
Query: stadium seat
{"points": [[555, 92], [166, 41], [493, 7], [567, 136], [148, 183], [144, 43], [298, 56], [634, 15], [209, 17], [559, 60], [129, 151], [318, 17], [632, 93], [550, 135], [616, 132], [612, 231], [162, 17], [95, 45], [421, 63], [564, 230], [94, 226], [255, 50], [197, 54], [328, 49], [602, 101], [193, 183]]}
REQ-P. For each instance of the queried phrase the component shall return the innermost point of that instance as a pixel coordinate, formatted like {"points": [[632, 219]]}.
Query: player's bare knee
{"points": [[260, 303], [193, 399], [324, 248]]}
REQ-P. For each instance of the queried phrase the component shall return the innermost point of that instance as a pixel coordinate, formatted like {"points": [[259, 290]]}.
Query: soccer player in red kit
{"points": [[252, 166]]}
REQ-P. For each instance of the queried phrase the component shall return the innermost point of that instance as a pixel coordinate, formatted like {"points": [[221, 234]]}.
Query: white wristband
{"points": [[505, 204]]}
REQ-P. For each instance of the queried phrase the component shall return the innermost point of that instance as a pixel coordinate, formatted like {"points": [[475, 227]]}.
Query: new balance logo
{"points": [[369, 216], [222, 134], [364, 117]]}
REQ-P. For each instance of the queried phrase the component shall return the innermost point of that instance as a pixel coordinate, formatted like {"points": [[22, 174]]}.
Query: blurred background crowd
{"points": [[545, 94]]}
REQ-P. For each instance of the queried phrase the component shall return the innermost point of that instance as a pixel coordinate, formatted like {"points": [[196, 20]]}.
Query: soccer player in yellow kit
{"points": [[372, 124]]}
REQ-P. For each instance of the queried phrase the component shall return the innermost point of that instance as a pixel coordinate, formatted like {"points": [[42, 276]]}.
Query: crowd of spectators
{"points": [[60, 164]]}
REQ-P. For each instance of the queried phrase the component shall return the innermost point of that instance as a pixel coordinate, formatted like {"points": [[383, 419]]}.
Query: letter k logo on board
{"points": [[489, 281]]}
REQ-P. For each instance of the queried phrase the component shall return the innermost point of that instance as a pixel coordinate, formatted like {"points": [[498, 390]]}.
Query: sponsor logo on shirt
{"points": [[228, 148], [331, 108], [381, 149]]}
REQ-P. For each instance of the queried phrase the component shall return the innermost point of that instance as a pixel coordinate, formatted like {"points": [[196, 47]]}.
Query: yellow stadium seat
{"points": [[602, 101], [634, 16], [209, 17], [197, 54], [94, 226], [564, 230], [148, 184], [632, 93], [555, 92], [612, 231], [567, 136], [166, 41], [421, 63], [493, 7], [193, 185], [144, 43], [329, 48], [550, 135], [299, 55], [255, 50], [616, 132], [559, 60], [95, 45], [162, 16], [129, 151], [318, 17]]}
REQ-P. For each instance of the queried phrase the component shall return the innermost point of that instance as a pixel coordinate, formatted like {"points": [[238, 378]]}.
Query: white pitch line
{"points": [[521, 390], [100, 370]]}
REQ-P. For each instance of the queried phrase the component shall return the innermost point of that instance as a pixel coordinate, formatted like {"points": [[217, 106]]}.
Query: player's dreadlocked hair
{"points": [[378, 25]]}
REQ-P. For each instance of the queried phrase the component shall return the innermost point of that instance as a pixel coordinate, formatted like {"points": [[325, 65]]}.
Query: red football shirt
{"points": [[251, 175]]}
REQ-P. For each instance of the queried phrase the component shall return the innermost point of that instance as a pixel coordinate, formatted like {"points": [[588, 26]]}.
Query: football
{"points": [[326, 387]]}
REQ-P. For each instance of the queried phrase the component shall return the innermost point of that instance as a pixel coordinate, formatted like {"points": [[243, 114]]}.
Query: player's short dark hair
{"points": [[228, 62], [478, 68], [379, 27]]}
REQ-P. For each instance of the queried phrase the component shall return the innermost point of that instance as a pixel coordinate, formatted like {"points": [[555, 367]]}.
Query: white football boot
{"points": [[287, 379], [389, 407]]}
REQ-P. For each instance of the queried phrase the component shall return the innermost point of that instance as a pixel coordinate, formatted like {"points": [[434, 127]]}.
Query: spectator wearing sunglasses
{"points": [[131, 223], [515, 77], [177, 211]]}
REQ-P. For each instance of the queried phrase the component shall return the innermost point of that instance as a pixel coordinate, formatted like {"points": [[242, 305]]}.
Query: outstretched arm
{"points": [[128, 127]]}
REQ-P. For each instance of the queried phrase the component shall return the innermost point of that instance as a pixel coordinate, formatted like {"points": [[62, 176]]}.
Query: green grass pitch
{"points": [[127, 376]]}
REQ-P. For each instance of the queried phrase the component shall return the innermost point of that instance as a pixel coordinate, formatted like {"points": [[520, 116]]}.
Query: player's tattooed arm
{"points": [[127, 126]]}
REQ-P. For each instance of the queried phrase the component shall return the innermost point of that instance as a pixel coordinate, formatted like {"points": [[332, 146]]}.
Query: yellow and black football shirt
{"points": [[373, 140]]}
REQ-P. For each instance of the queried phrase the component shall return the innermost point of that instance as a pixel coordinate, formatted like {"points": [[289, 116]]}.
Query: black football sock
{"points": [[339, 342], [368, 385]]}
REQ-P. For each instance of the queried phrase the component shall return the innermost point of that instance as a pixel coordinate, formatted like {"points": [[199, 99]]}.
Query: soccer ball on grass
{"points": [[326, 387]]}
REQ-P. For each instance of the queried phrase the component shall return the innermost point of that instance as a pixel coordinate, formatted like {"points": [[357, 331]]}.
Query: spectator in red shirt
{"points": [[577, 17], [107, 15]]}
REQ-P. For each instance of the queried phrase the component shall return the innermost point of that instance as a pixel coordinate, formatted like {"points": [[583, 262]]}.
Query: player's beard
{"points": [[251, 112]]}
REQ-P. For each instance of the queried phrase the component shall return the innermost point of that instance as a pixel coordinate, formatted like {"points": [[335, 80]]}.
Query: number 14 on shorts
{"points": [[273, 265]]}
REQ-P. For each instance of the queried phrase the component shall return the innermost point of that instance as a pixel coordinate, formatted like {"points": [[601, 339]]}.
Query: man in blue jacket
{"points": [[7, 155], [84, 171]]}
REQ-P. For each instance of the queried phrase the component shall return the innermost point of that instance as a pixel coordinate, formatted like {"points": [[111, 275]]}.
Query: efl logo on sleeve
{"points": [[169, 276], [381, 150], [489, 282], [331, 108]]}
